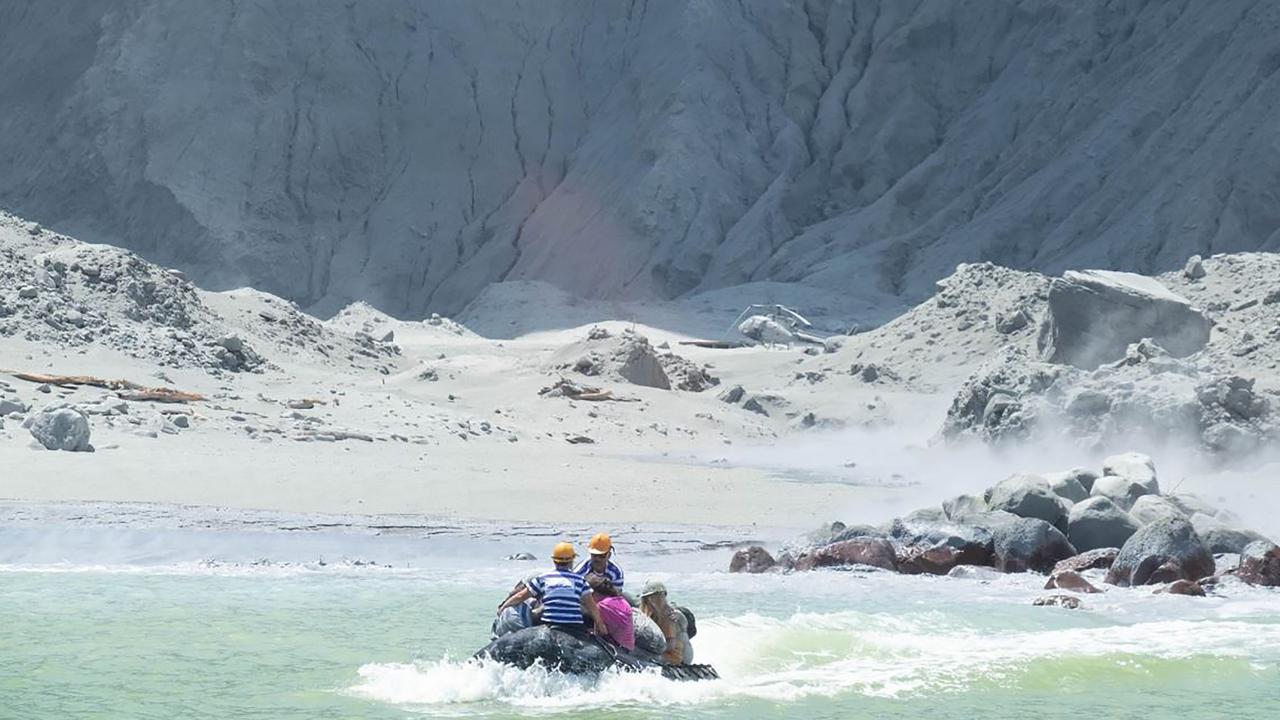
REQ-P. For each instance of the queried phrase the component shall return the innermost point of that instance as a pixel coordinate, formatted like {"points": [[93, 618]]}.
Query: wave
{"points": [[874, 655]]}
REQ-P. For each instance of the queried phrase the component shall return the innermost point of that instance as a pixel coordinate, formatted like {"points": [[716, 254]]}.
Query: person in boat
{"points": [[615, 611], [566, 599], [520, 615], [672, 622], [601, 562]]}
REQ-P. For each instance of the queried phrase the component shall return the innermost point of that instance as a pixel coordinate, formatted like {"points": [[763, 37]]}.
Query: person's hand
{"points": [[601, 630]]}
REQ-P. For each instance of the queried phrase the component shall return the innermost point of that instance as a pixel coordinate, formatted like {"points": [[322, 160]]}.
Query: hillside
{"points": [[408, 153]]}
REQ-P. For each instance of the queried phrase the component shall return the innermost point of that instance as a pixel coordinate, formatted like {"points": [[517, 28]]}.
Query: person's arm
{"points": [[593, 611], [516, 598]]}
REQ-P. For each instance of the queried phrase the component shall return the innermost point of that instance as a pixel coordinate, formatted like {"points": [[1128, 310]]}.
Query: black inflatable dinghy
{"points": [[581, 653]]}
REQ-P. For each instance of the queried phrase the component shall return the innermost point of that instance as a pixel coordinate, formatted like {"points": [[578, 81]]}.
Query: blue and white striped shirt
{"points": [[611, 571], [561, 593]]}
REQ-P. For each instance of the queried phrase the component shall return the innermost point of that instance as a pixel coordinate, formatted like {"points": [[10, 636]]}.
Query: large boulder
{"points": [[971, 540], [1099, 523], [1260, 564], [1094, 315], [1150, 508], [1122, 491], [1073, 485], [1029, 544], [1220, 537], [1029, 496], [873, 552], [754, 559], [1162, 552], [1134, 467], [60, 428], [937, 560]]}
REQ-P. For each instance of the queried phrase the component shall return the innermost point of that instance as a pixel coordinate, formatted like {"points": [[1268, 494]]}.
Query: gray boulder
{"points": [[961, 507], [1029, 496], [1121, 491], [1073, 485], [60, 428], [1162, 552], [8, 407], [1029, 545], [1220, 537], [1149, 508], [1190, 504], [1094, 315], [1134, 467], [1099, 523]]}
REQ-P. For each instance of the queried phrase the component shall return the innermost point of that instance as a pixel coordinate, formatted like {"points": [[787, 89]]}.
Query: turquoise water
{"points": [[190, 639]]}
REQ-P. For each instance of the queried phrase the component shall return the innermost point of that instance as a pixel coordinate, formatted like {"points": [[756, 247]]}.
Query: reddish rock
{"points": [[936, 560], [1092, 560], [1259, 564], [1183, 587], [1070, 580], [875, 552], [1066, 601], [754, 559]]}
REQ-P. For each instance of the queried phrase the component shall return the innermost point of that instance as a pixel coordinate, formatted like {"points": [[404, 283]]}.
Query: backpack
{"points": [[690, 620]]}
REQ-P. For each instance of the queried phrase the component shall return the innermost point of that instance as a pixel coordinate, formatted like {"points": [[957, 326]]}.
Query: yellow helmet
{"points": [[600, 544], [563, 553]]}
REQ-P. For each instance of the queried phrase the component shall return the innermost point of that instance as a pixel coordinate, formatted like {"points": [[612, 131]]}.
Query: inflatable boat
{"points": [[578, 652]]}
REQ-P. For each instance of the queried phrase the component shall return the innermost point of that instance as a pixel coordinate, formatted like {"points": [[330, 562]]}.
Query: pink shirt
{"points": [[616, 614]]}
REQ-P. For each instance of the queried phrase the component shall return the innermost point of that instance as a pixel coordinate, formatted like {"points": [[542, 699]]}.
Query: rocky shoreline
{"points": [[1081, 529]]}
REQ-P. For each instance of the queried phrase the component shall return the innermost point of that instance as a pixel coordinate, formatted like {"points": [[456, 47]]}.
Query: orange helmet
{"points": [[600, 544], [564, 553]]}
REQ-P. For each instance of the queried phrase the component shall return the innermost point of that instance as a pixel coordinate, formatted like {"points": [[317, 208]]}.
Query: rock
{"points": [[857, 531], [1149, 508], [61, 428], [1260, 564], [754, 559], [1099, 523], [753, 404], [1134, 467], [962, 506], [1220, 537], [8, 407], [1121, 491], [937, 560], [1194, 269], [389, 337], [1012, 322], [580, 440], [1183, 587], [1100, 559], [1166, 550], [231, 343], [1093, 317], [1070, 580], [44, 388], [28, 292], [522, 556], [1073, 485], [181, 421], [733, 395], [1029, 496], [1064, 601], [971, 541], [874, 552], [1029, 544]]}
